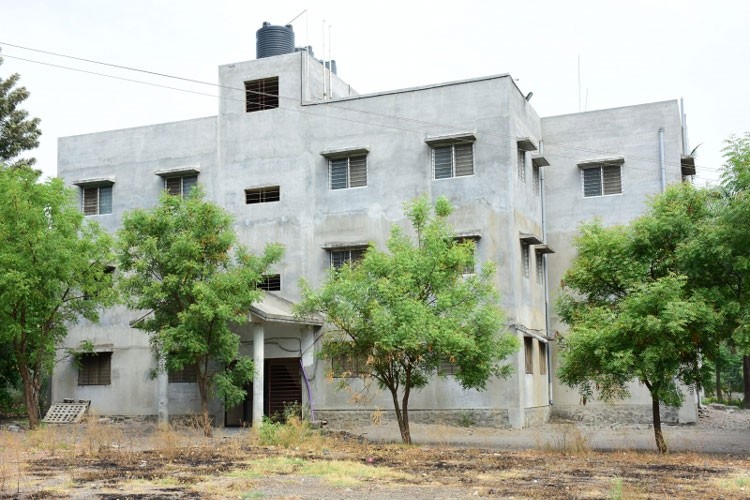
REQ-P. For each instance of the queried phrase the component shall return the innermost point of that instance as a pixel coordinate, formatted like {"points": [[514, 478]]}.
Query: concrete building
{"points": [[299, 158]]}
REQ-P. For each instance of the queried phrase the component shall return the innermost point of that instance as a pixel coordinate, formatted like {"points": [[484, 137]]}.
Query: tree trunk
{"points": [[205, 417], [746, 380], [719, 395], [661, 445], [402, 417], [30, 394]]}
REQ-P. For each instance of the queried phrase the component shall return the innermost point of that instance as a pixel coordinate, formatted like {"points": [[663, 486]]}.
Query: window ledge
{"points": [[437, 140], [599, 162], [183, 170], [335, 245], [526, 144], [95, 181], [539, 161], [530, 239], [344, 152]]}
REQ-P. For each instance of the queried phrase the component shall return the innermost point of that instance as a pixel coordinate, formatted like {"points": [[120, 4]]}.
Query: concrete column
{"points": [[258, 382], [162, 393]]}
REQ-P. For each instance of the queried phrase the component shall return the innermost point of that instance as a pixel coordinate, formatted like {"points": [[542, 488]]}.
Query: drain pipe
{"points": [[662, 164], [546, 281]]}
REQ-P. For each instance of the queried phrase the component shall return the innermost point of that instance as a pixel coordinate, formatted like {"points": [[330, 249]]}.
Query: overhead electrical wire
{"points": [[328, 103]]}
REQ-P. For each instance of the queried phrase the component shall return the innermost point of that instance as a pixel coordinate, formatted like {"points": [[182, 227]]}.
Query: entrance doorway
{"points": [[282, 387]]}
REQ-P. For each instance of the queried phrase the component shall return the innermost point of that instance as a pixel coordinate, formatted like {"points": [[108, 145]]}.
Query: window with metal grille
{"points": [[542, 358], [521, 165], [535, 180], [601, 181], [348, 366], [453, 160], [525, 259], [270, 283], [266, 194], [347, 172], [96, 200], [471, 267], [180, 185], [342, 256], [447, 368], [528, 350], [262, 94], [539, 268], [94, 368], [188, 374]]}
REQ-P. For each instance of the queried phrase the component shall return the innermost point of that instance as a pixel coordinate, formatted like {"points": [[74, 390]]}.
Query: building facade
{"points": [[298, 157]]}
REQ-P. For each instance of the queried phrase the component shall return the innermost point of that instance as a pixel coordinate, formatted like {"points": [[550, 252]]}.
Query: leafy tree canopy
{"points": [[54, 272], [18, 132], [407, 309], [185, 269]]}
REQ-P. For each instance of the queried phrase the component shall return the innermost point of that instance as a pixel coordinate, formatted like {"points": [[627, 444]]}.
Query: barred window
{"points": [[525, 259], [453, 160], [601, 180], [347, 172], [96, 200], [521, 165], [262, 94], [339, 257], [188, 374], [539, 268], [348, 366], [95, 368], [447, 368], [270, 283], [266, 194]]}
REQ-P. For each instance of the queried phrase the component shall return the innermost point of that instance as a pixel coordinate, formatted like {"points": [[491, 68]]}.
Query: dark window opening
{"points": [[96, 200], [180, 185], [542, 358], [528, 348], [447, 368], [453, 160], [348, 366], [346, 256], [602, 181], [95, 368], [188, 374], [266, 194], [349, 172], [262, 94], [270, 283]]}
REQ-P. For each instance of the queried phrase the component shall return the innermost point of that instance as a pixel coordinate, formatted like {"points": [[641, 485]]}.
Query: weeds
{"points": [[467, 418], [569, 440]]}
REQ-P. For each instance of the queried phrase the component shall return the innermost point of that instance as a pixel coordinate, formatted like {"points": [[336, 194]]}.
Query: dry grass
{"points": [[101, 458]]}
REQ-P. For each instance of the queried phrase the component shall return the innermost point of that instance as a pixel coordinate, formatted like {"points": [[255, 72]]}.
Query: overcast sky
{"points": [[630, 52]]}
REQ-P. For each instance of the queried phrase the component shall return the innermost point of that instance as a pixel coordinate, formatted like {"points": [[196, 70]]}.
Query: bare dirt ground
{"points": [[559, 461]]}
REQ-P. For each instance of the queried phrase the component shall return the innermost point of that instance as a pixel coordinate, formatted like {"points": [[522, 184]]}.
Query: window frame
{"points": [[182, 178], [266, 194], [521, 161], [362, 179], [543, 353], [93, 370], [270, 283], [87, 188], [525, 259], [469, 144], [345, 366], [528, 349], [261, 94], [603, 168], [349, 259], [188, 374]]}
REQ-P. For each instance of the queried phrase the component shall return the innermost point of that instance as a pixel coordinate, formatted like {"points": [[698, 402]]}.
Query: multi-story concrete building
{"points": [[298, 157]]}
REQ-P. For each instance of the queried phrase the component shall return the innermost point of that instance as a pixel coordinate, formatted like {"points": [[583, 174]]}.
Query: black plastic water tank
{"points": [[273, 40]]}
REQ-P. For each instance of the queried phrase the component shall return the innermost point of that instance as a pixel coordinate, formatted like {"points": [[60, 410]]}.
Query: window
{"points": [[528, 349], [94, 368], [453, 160], [539, 268], [262, 94], [262, 195], [542, 358], [270, 283], [343, 256], [471, 267], [349, 366], [96, 200], [347, 172], [447, 368], [180, 185], [535, 179], [521, 165], [525, 259], [188, 374], [601, 180]]}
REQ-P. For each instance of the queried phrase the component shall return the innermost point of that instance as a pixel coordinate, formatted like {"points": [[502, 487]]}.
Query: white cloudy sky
{"points": [[630, 51]]}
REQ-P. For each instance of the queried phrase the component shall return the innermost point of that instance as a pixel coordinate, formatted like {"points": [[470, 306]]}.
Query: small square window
{"points": [[95, 368], [601, 180], [347, 172], [453, 160], [266, 194], [188, 374], [528, 349], [180, 185], [262, 94], [96, 200], [270, 283]]}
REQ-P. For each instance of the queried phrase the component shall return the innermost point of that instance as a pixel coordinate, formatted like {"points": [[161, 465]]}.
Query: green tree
{"points": [[407, 310], [54, 271], [632, 314], [18, 132], [183, 266]]}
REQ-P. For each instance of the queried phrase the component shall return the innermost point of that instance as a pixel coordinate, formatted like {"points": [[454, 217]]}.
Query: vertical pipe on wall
{"points": [[547, 324], [662, 164]]}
